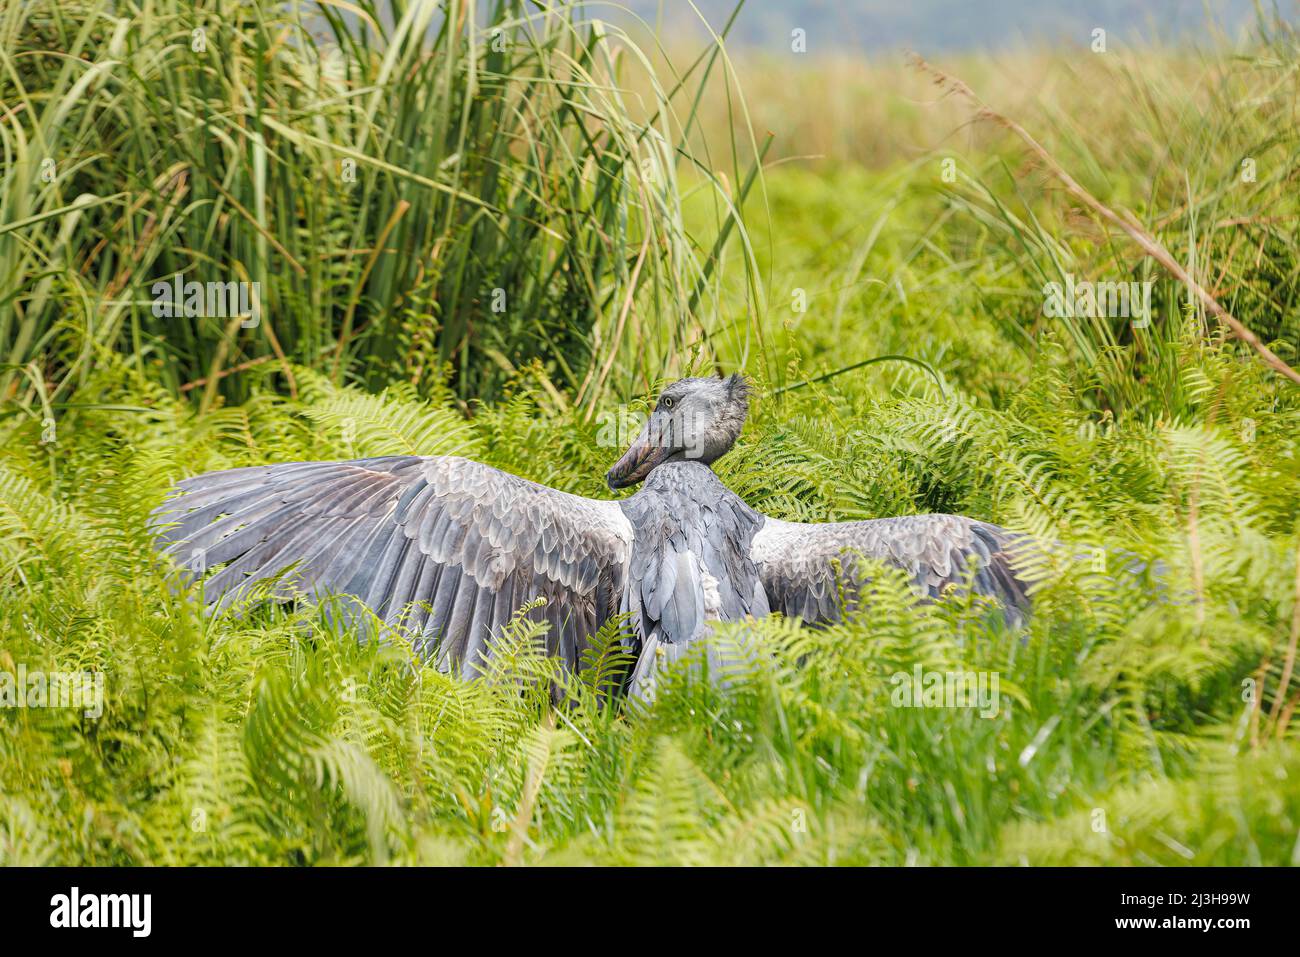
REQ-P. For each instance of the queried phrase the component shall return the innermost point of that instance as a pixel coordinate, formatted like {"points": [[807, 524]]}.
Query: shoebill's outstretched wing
{"points": [[466, 543], [797, 562]]}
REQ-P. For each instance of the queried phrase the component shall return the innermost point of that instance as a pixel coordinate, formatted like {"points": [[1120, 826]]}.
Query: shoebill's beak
{"points": [[649, 449]]}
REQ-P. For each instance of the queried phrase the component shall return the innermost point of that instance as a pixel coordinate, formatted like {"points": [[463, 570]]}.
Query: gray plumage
{"points": [[691, 564], [798, 561], [451, 548], [448, 547]]}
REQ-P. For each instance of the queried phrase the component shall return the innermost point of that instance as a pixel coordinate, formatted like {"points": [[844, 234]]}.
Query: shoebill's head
{"points": [[695, 420]]}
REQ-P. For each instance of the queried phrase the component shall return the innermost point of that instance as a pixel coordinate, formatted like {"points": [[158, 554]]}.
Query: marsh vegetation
{"points": [[481, 233]]}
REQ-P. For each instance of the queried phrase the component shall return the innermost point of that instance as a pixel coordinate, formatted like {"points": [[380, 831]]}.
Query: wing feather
{"points": [[454, 545], [798, 562]]}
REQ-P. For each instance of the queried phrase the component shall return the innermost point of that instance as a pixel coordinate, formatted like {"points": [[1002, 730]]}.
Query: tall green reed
{"points": [[412, 187]]}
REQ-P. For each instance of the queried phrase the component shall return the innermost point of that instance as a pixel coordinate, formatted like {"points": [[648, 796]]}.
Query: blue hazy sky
{"points": [[952, 25]]}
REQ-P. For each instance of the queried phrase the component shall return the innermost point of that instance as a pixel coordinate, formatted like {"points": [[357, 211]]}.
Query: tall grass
{"points": [[274, 736], [417, 192], [1199, 148]]}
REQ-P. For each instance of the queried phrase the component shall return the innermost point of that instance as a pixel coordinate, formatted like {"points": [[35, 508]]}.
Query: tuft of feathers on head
{"points": [[738, 387]]}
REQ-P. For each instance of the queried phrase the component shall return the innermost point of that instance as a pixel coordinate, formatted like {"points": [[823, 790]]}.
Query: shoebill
{"points": [[451, 548]]}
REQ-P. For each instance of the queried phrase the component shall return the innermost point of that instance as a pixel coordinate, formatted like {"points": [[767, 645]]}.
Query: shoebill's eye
{"points": [[668, 402]]}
